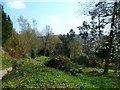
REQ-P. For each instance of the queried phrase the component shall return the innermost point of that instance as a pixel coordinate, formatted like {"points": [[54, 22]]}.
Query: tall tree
{"points": [[109, 11], [7, 27], [65, 47], [53, 44], [30, 33], [0, 25], [101, 13], [23, 24], [46, 34], [111, 37], [106, 12], [72, 33], [84, 33], [116, 41]]}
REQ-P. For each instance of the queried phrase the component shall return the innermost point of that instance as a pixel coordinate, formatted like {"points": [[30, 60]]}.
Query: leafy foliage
{"points": [[88, 61], [6, 60], [45, 72], [7, 27], [35, 75], [63, 63], [75, 48]]}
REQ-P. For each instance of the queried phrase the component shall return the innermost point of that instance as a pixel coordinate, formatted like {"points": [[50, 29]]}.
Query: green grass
{"points": [[34, 74], [6, 61], [42, 60], [88, 69]]}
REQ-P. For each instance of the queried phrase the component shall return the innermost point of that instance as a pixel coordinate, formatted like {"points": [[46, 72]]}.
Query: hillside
{"points": [[36, 75]]}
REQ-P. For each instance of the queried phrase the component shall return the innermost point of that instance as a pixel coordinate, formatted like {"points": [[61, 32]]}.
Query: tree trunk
{"points": [[46, 40], [106, 66], [111, 36], [99, 26], [116, 66], [85, 46]]}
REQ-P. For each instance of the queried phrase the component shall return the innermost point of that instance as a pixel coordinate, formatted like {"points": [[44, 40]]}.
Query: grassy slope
{"points": [[33, 74], [5, 61]]}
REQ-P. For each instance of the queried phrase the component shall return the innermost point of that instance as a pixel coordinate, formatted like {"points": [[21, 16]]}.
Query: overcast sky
{"points": [[61, 16]]}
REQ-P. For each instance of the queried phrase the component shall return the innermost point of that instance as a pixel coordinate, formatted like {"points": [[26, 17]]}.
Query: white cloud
{"points": [[16, 4], [53, 18]]}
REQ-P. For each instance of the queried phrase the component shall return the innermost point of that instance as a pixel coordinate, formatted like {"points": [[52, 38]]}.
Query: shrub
{"points": [[60, 62], [6, 61], [82, 60], [93, 61], [15, 64], [64, 63], [88, 61]]}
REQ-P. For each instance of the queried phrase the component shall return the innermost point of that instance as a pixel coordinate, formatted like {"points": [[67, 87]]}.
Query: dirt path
{"points": [[4, 72]]}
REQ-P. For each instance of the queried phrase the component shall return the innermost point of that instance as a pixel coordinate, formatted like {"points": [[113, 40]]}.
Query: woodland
{"points": [[90, 59]]}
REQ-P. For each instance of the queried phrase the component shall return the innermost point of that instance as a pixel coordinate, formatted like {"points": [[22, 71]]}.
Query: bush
{"points": [[93, 61], [60, 62], [64, 63], [82, 60], [88, 61], [15, 64], [6, 61]]}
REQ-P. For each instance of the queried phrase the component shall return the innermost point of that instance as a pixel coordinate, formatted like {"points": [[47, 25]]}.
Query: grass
{"points": [[34, 74], [88, 69], [6, 61]]}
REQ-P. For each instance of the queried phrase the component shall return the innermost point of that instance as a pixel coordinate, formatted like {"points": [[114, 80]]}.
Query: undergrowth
{"points": [[37, 75]]}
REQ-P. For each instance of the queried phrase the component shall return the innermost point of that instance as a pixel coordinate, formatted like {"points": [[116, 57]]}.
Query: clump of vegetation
{"points": [[34, 75], [16, 64], [42, 60], [82, 60], [93, 61], [6, 61], [88, 61], [64, 63]]}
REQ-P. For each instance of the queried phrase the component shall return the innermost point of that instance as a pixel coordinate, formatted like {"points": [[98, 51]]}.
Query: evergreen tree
{"points": [[7, 27]]}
